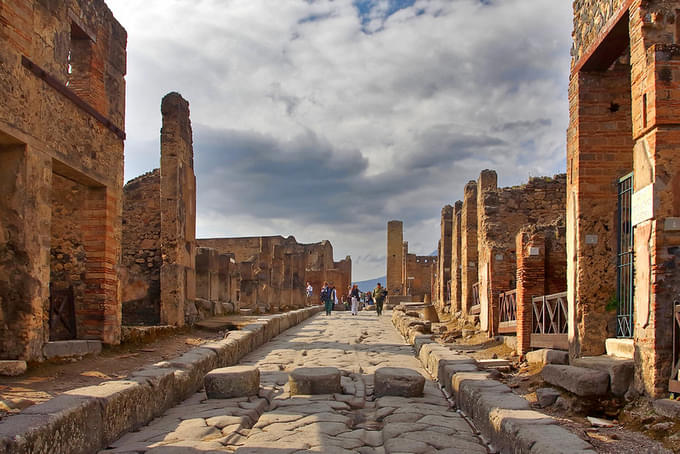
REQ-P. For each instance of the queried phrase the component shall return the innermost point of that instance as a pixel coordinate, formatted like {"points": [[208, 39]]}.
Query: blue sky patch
{"points": [[365, 8]]}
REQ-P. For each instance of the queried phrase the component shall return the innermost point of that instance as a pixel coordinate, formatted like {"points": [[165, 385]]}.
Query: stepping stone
{"points": [[315, 380], [228, 382], [12, 368], [580, 381], [398, 381]]}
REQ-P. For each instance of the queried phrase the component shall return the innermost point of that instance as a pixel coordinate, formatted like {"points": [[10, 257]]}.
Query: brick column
{"points": [[530, 283], [456, 259], [468, 246]]}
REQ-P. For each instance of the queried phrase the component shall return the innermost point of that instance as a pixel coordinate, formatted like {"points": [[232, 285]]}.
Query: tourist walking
{"points": [[327, 298], [354, 299], [309, 291], [379, 294]]}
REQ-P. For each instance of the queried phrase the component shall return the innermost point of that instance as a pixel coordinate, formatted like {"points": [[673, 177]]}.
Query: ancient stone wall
{"points": [[502, 212], [395, 258], [591, 19], [141, 270], [178, 211], [47, 131], [419, 270]]}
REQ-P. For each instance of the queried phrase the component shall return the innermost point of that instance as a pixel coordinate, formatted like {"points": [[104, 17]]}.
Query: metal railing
{"points": [[550, 314], [476, 306], [624, 269], [507, 304]]}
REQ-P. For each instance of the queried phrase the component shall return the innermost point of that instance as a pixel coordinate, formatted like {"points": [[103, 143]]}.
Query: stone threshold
{"points": [[88, 419], [504, 419]]}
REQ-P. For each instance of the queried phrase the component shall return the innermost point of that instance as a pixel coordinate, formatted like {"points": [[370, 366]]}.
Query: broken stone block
{"points": [[620, 370], [580, 381], [235, 381], [315, 380], [668, 408], [398, 381], [546, 396], [12, 368], [547, 356]]}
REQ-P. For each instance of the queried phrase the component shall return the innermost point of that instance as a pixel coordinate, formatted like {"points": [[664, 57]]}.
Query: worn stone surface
{"points": [[71, 348], [578, 380], [668, 408], [620, 371], [546, 396], [352, 420], [235, 381]]}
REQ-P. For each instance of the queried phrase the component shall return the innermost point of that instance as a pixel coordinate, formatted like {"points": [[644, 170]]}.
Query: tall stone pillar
{"points": [[456, 263], [178, 211], [395, 251], [468, 222], [446, 225]]}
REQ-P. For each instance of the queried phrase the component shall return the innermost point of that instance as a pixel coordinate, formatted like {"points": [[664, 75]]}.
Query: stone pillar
{"points": [[395, 242], [178, 210], [446, 225], [531, 258], [655, 65], [598, 153], [456, 262], [404, 270], [468, 222]]}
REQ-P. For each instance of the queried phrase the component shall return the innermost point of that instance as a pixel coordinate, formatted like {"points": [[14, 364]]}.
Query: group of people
{"points": [[329, 297]]}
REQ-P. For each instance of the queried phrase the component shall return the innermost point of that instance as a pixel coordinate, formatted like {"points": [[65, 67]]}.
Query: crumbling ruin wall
{"points": [[591, 19], [178, 212], [56, 123], [141, 264], [501, 215], [419, 270]]}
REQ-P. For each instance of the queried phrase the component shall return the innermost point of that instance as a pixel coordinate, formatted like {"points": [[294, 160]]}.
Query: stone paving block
{"points": [[545, 397], [226, 352], [620, 371], [235, 381], [580, 381], [398, 381], [161, 387], [547, 356], [315, 380], [549, 439], [71, 348], [421, 340], [12, 368]]}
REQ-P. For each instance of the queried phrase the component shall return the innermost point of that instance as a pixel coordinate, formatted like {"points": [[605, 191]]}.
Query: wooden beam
{"points": [[556, 341]]}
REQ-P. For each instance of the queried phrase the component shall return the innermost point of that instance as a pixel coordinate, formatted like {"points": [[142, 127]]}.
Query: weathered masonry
{"points": [[62, 106], [623, 209], [413, 277]]}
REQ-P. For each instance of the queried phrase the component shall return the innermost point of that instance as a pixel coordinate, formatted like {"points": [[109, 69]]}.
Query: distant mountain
{"points": [[370, 284]]}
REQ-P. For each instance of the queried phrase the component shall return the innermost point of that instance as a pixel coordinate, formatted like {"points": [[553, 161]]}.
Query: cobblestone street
{"points": [[352, 421]]}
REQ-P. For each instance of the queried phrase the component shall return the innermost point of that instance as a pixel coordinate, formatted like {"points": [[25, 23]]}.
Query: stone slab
{"points": [[71, 348], [235, 381], [580, 381], [315, 380], [547, 356], [12, 368], [398, 381], [668, 408], [621, 348]]}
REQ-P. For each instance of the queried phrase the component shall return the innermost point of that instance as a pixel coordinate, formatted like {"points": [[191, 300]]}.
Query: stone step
{"points": [[315, 380], [621, 348], [230, 382], [398, 381], [12, 368], [493, 363], [578, 380], [71, 348], [620, 370]]}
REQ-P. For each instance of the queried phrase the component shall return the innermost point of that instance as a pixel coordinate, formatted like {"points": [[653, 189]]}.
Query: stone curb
{"points": [[86, 420], [503, 418]]}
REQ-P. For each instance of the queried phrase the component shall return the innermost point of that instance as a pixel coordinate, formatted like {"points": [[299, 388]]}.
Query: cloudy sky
{"points": [[324, 119]]}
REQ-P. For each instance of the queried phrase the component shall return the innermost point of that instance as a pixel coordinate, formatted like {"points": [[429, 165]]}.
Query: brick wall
{"points": [[502, 212], [456, 258], [395, 258], [468, 245], [444, 263]]}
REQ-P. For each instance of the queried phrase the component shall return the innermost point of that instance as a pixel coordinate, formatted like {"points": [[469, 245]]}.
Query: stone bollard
{"points": [[398, 381], [228, 382], [315, 380]]}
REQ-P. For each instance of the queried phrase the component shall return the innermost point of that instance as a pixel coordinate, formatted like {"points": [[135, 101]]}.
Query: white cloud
{"points": [[405, 107]]}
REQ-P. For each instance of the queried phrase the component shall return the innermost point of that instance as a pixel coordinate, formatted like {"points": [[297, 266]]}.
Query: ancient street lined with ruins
{"points": [[135, 320]]}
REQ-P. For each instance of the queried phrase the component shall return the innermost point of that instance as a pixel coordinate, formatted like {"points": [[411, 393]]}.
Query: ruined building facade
{"points": [[623, 229], [412, 277], [62, 114]]}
